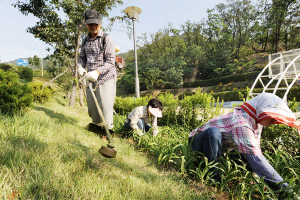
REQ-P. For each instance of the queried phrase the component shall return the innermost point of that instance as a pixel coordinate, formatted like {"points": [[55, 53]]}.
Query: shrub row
{"points": [[186, 111], [183, 112], [236, 95], [25, 73], [16, 97], [226, 79]]}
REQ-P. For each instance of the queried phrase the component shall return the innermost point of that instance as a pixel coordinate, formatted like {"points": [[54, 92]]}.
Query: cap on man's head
{"points": [[92, 17]]}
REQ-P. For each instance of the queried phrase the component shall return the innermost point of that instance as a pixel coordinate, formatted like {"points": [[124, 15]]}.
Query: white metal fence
{"points": [[281, 73]]}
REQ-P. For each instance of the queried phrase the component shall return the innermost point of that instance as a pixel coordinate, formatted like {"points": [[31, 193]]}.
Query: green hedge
{"points": [[8, 67], [14, 96], [226, 79], [234, 95]]}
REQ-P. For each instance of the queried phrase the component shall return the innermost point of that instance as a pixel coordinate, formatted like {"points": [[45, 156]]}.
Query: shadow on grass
{"points": [[19, 149], [137, 172], [60, 102], [60, 118], [25, 158]]}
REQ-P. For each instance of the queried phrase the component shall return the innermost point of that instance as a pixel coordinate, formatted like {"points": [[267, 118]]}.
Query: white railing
{"points": [[287, 75]]}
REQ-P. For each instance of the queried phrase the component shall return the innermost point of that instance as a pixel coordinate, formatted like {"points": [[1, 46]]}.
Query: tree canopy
{"points": [[221, 45]]}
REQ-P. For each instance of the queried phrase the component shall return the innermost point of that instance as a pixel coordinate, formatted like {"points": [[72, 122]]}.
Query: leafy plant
{"points": [[25, 73], [14, 96], [39, 93]]}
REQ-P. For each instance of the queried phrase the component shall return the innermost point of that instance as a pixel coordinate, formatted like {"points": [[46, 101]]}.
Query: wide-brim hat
{"points": [[155, 111], [92, 17]]}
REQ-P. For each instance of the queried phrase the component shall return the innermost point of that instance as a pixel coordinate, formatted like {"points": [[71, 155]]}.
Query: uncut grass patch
{"points": [[170, 149], [47, 154]]}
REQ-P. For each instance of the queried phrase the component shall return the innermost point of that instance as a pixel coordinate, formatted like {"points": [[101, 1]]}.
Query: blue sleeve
{"points": [[262, 168]]}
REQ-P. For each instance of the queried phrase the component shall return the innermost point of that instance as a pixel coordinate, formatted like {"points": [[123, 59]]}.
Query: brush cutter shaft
{"points": [[109, 137]]}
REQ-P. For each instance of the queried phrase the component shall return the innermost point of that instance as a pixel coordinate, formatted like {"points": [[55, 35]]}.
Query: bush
{"points": [[185, 112], [14, 97], [25, 73], [7, 67], [46, 74], [226, 79], [39, 93], [125, 105], [198, 109], [170, 104]]}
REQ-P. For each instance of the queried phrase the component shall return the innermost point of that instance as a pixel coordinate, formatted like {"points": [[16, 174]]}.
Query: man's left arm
{"points": [[154, 126], [264, 169], [109, 55]]}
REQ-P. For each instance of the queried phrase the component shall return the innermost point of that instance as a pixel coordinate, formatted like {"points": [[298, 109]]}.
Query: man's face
{"points": [[93, 28], [267, 122]]}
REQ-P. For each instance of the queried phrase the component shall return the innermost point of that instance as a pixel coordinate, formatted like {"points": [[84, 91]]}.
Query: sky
{"points": [[16, 43]]}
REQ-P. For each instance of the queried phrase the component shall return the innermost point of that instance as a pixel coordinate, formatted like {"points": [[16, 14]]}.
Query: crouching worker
{"points": [[140, 117], [241, 130]]}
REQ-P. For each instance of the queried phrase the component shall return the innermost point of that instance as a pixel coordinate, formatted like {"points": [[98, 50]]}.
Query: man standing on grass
{"points": [[98, 56]]}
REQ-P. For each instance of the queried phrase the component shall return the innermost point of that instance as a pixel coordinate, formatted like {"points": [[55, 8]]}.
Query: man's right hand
{"points": [[81, 71]]}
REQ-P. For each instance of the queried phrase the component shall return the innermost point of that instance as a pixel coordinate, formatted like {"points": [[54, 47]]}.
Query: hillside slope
{"points": [[47, 154]]}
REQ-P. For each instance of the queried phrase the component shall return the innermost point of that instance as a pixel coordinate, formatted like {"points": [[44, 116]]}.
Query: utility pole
{"points": [[42, 64]]}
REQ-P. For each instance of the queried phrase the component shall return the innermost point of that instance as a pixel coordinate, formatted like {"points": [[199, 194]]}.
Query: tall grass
{"points": [[280, 145], [47, 154]]}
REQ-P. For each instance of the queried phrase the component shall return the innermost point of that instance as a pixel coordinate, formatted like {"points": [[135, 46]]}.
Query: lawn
{"points": [[47, 154]]}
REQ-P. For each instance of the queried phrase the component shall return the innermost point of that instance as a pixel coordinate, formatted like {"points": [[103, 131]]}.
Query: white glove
{"points": [[138, 132], [81, 71], [92, 76]]}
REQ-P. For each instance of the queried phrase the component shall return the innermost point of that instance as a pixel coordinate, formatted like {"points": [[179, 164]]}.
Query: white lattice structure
{"points": [[281, 73]]}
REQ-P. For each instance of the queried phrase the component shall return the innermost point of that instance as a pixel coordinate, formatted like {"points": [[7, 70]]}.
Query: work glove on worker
{"points": [[92, 76], [81, 71]]}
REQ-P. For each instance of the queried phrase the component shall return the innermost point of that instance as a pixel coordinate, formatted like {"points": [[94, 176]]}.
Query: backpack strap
{"points": [[84, 41], [103, 42]]}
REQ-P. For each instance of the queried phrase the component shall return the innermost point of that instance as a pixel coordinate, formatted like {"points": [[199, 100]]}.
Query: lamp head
{"points": [[133, 12]]}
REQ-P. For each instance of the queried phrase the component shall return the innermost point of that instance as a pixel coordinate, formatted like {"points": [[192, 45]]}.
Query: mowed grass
{"points": [[47, 154]]}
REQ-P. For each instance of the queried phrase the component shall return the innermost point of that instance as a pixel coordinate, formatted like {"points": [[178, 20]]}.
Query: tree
{"points": [[173, 77], [152, 79], [35, 61], [61, 25], [164, 51], [280, 16]]}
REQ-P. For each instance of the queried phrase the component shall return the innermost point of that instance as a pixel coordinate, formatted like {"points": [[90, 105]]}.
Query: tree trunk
{"points": [[75, 82], [81, 94], [73, 94]]}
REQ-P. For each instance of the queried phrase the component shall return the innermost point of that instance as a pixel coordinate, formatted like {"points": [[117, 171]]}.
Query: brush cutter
{"points": [[102, 128]]}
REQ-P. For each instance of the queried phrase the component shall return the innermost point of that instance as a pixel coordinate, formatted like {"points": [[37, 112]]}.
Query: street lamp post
{"points": [[133, 13]]}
